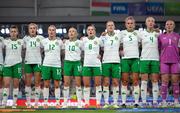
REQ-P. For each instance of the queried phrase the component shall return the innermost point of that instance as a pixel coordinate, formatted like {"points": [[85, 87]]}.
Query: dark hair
{"points": [[130, 18], [15, 27]]}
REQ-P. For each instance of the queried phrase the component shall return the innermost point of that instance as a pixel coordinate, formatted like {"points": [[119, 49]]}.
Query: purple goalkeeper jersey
{"points": [[169, 47]]}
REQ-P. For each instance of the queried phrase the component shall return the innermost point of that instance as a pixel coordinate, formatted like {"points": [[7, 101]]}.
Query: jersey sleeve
{"points": [[5, 42], [101, 42], [157, 34], [179, 40], [24, 41], [102, 38], [42, 43], [139, 35], [41, 37], [159, 41], [61, 44], [2, 41], [121, 36], [81, 44]]}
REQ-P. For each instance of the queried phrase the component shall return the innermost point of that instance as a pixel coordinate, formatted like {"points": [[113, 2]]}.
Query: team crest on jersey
{"points": [[38, 40], [76, 44], [95, 42], [156, 35], [116, 38], [57, 43], [135, 33], [19, 43]]}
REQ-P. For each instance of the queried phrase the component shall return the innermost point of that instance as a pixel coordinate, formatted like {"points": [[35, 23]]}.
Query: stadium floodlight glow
{"points": [[40, 31], [140, 29], [164, 31], [117, 31], [2, 30], [59, 30], [84, 31], [64, 30], [7, 30]]}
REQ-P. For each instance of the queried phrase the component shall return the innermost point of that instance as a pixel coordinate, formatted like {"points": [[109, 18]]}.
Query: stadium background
{"points": [[79, 13]]}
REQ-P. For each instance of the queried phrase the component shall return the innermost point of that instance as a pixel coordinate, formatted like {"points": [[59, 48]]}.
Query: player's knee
{"points": [[166, 81], [144, 78], [115, 83], [6, 85], [46, 86], [66, 84], [28, 84], [106, 83], [78, 84], [136, 82], [124, 82], [97, 84], [86, 85], [154, 80]]}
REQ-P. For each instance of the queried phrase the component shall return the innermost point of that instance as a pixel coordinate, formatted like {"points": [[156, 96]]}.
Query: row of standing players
{"points": [[108, 48]]}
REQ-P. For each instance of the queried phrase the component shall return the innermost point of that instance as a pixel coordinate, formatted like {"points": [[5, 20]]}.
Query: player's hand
{"points": [[103, 33], [82, 37], [64, 40], [157, 30], [121, 52], [99, 57]]}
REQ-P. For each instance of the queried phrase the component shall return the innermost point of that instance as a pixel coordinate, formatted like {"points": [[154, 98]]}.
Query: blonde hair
{"points": [[52, 26], [130, 18], [33, 24], [75, 30], [169, 20], [91, 25], [150, 17]]}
